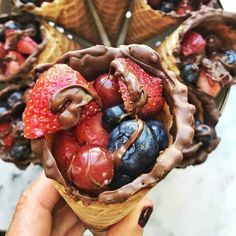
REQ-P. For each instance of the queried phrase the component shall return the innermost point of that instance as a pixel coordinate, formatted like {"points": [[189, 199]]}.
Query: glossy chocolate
{"points": [[96, 60]]}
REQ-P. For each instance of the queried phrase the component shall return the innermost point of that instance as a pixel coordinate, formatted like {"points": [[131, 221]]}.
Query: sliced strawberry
{"points": [[26, 45], [12, 68], [207, 85], [91, 131], [3, 52], [151, 85], [192, 43], [5, 134], [184, 6], [64, 149], [38, 118]]}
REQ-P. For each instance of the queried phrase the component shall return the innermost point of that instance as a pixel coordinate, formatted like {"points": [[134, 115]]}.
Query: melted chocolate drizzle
{"points": [[96, 60]]}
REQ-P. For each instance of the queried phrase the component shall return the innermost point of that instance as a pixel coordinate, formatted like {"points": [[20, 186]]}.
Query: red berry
{"points": [[184, 6], [107, 88], [15, 56], [5, 133], [207, 85], [92, 168], [12, 68], [150, 84], [26, 45], [91, 131], [8, 141], [2, 51], [38, 118], [64, 149], [192, 43]]}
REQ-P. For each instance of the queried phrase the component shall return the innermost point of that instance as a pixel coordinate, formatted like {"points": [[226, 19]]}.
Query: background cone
{"points": [[73, 15], [112, 14]]}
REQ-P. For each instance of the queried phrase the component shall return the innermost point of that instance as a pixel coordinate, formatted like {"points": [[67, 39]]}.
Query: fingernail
{"points": [[145, 215]]}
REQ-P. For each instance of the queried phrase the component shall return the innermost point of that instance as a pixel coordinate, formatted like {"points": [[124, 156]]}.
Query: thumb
{"points": [[134, 223]]}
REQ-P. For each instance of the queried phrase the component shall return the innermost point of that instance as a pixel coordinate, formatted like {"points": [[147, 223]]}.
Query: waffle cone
{"points": [[146, 22], [112, 14], [169, 50], [71, 14], [99, 216], [55, 46]]}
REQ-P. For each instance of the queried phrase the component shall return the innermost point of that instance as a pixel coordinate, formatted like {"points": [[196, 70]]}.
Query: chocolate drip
{"points": [[120, 152], [97, 60], [137, 94], [69, 102]]}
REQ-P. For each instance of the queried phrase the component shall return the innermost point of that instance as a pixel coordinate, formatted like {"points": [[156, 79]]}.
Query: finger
{"points": [[64, 220], [33, 211], [134, 223]]}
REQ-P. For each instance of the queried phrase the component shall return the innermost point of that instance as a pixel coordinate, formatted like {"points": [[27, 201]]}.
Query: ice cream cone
{"points": [[112, 14], [101, 211], [147, 22], [210, 21], [73, 15]]}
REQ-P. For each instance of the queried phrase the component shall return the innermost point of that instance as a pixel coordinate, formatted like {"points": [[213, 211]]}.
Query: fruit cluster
{"points": [[206, 64], [181, 7], [116, 138], [13, 101], [37, 3], [17, 42]]}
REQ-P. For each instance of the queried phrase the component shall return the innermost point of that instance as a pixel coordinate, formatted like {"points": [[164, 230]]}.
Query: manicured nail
{"points": [[145, 215]]}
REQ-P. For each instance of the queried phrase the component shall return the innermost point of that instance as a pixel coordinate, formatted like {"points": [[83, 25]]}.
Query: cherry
{"points": [[107, 88], [92, 168], [64, 148]]}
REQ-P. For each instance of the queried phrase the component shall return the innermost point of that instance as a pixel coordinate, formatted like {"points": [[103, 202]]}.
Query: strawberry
{"points": [[64, 149], [14, 63], [151, 85], [91, 131], [184, 6], [5, 134], [37, 117], [207, 85], [192, 43], [26, 45], [92, 168], [90, 110], [2, 51]]}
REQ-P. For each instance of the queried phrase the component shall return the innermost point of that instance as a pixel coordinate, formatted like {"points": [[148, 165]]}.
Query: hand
{"points": [[41, 211]]}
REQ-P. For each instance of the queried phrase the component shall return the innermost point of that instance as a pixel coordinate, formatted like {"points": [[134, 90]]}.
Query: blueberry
{"points": [[203, 133], [141, 155], [113, 116], [190, 73], [159, 132], [167, 6], [14, 98], [20, 151], [231, 56], [13, 25], [120, 180]]}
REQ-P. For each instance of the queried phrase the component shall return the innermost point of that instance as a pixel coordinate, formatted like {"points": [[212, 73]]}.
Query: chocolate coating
{"points": [[96, 60]]}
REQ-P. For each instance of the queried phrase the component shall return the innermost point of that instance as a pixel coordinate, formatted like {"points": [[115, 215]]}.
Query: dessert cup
{"points": [[147, 22], [112, 14], [73, 15], [110, 206], [209, 21]]}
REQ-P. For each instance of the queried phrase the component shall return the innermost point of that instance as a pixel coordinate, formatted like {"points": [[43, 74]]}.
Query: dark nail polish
{"points": [[144, 217]]}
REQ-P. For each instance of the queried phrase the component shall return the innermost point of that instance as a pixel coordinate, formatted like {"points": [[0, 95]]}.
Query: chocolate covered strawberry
{"points": [[59, 95], [150, 99]]}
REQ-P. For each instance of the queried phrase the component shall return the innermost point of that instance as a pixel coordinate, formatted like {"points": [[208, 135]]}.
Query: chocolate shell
{"points": [[96, 60], [208, 21]]}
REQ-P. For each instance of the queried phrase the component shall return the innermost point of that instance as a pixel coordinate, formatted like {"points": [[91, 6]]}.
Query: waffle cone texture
{"points": [[73, 15]]}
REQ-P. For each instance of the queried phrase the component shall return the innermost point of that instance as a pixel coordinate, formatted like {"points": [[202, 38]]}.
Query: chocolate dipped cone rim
{"points": [[96, 60], [27, 66]]}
